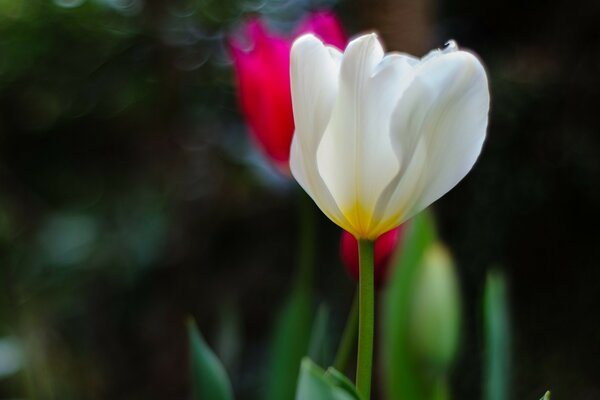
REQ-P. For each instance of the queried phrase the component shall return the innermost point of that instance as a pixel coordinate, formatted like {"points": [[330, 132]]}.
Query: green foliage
{"points": [[348, 341], [402, 380], [319, 349], [342, 381], [91, 173], [546, 396], [228, 343], [209, 378], [289, 344], [316, 384], [497, 338]]}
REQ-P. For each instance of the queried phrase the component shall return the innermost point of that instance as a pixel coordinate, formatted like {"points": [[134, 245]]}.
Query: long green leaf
{"points": [[319, 350], [228, 343], [497, 338], [209, 379], [289, 345], [289, 342], [401, 378]]}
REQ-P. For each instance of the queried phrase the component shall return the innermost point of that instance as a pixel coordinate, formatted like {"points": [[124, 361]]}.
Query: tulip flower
{"points": [[379, 138], [385, 245], [261, 60]]}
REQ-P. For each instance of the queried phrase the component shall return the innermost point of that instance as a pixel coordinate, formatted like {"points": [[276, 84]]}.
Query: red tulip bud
{"points": [[384, 249], [261, 61]]}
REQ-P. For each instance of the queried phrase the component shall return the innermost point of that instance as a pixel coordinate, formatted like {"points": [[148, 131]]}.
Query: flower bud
{"points": [[435, 311], [384, 249]]}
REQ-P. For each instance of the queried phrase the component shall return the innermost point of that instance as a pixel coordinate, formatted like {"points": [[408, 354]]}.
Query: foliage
{"points": [[209, 379]]}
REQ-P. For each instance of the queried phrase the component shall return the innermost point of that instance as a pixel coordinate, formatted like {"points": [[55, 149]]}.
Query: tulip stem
{"points": [[348, 341], [366, 318]]}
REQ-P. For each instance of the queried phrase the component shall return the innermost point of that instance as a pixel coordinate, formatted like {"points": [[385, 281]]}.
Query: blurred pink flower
{"points": [[261, 61], [385, 245]]}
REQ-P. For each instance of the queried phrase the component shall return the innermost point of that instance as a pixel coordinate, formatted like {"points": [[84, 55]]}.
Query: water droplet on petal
{"points": [[450, 46]]}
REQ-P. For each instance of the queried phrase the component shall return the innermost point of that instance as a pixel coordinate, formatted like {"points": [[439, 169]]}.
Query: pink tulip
{"points": [[385, 245], [262, 62]]}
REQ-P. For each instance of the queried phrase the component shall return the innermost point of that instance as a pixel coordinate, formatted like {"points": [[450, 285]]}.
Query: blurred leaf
{"points": [[440, 390], [209, 379], [319, 350], [497, 338], [342, 381], [229, 337], [348, 341], [401, 378], [546, 396], [316, 384], [289, 345]]}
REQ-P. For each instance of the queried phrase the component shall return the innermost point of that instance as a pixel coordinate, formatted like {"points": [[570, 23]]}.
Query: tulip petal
{"points": [[262, 69], [438, 128], [314, 73], [380, 138], [324, 25], [356, 159]]}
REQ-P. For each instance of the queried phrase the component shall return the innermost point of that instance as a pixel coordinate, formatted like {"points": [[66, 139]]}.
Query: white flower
{"points": [[379, 138]]}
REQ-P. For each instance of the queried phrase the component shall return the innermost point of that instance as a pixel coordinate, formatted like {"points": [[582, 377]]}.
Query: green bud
{"points": [[546, 396], [435, 309]]}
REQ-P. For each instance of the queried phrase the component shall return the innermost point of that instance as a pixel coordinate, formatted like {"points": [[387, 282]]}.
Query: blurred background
{"points": [[131, 195]]}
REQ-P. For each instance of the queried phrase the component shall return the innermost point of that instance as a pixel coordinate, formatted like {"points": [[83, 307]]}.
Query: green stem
{"points": [[366, 318], [306, 243], [348, 341]]}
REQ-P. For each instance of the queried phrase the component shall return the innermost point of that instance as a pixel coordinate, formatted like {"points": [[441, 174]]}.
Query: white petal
{"points": [[411, 60], [314, 70], [444, 112], [355, 157]]}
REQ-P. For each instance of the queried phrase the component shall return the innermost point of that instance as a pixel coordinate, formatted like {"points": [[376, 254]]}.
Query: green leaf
{"points": [[315, 384], [289, 345], [319, 350], [497, 338], [546, 396], [209, 379], [402, 380], [342, 381], [228, 343]]}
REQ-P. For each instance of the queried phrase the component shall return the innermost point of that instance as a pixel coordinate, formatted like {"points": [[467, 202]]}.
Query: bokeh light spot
{"points": [[69, 3]]}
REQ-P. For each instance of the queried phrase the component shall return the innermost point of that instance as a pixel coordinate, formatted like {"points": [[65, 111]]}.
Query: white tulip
{"points": [[379, 138]]}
